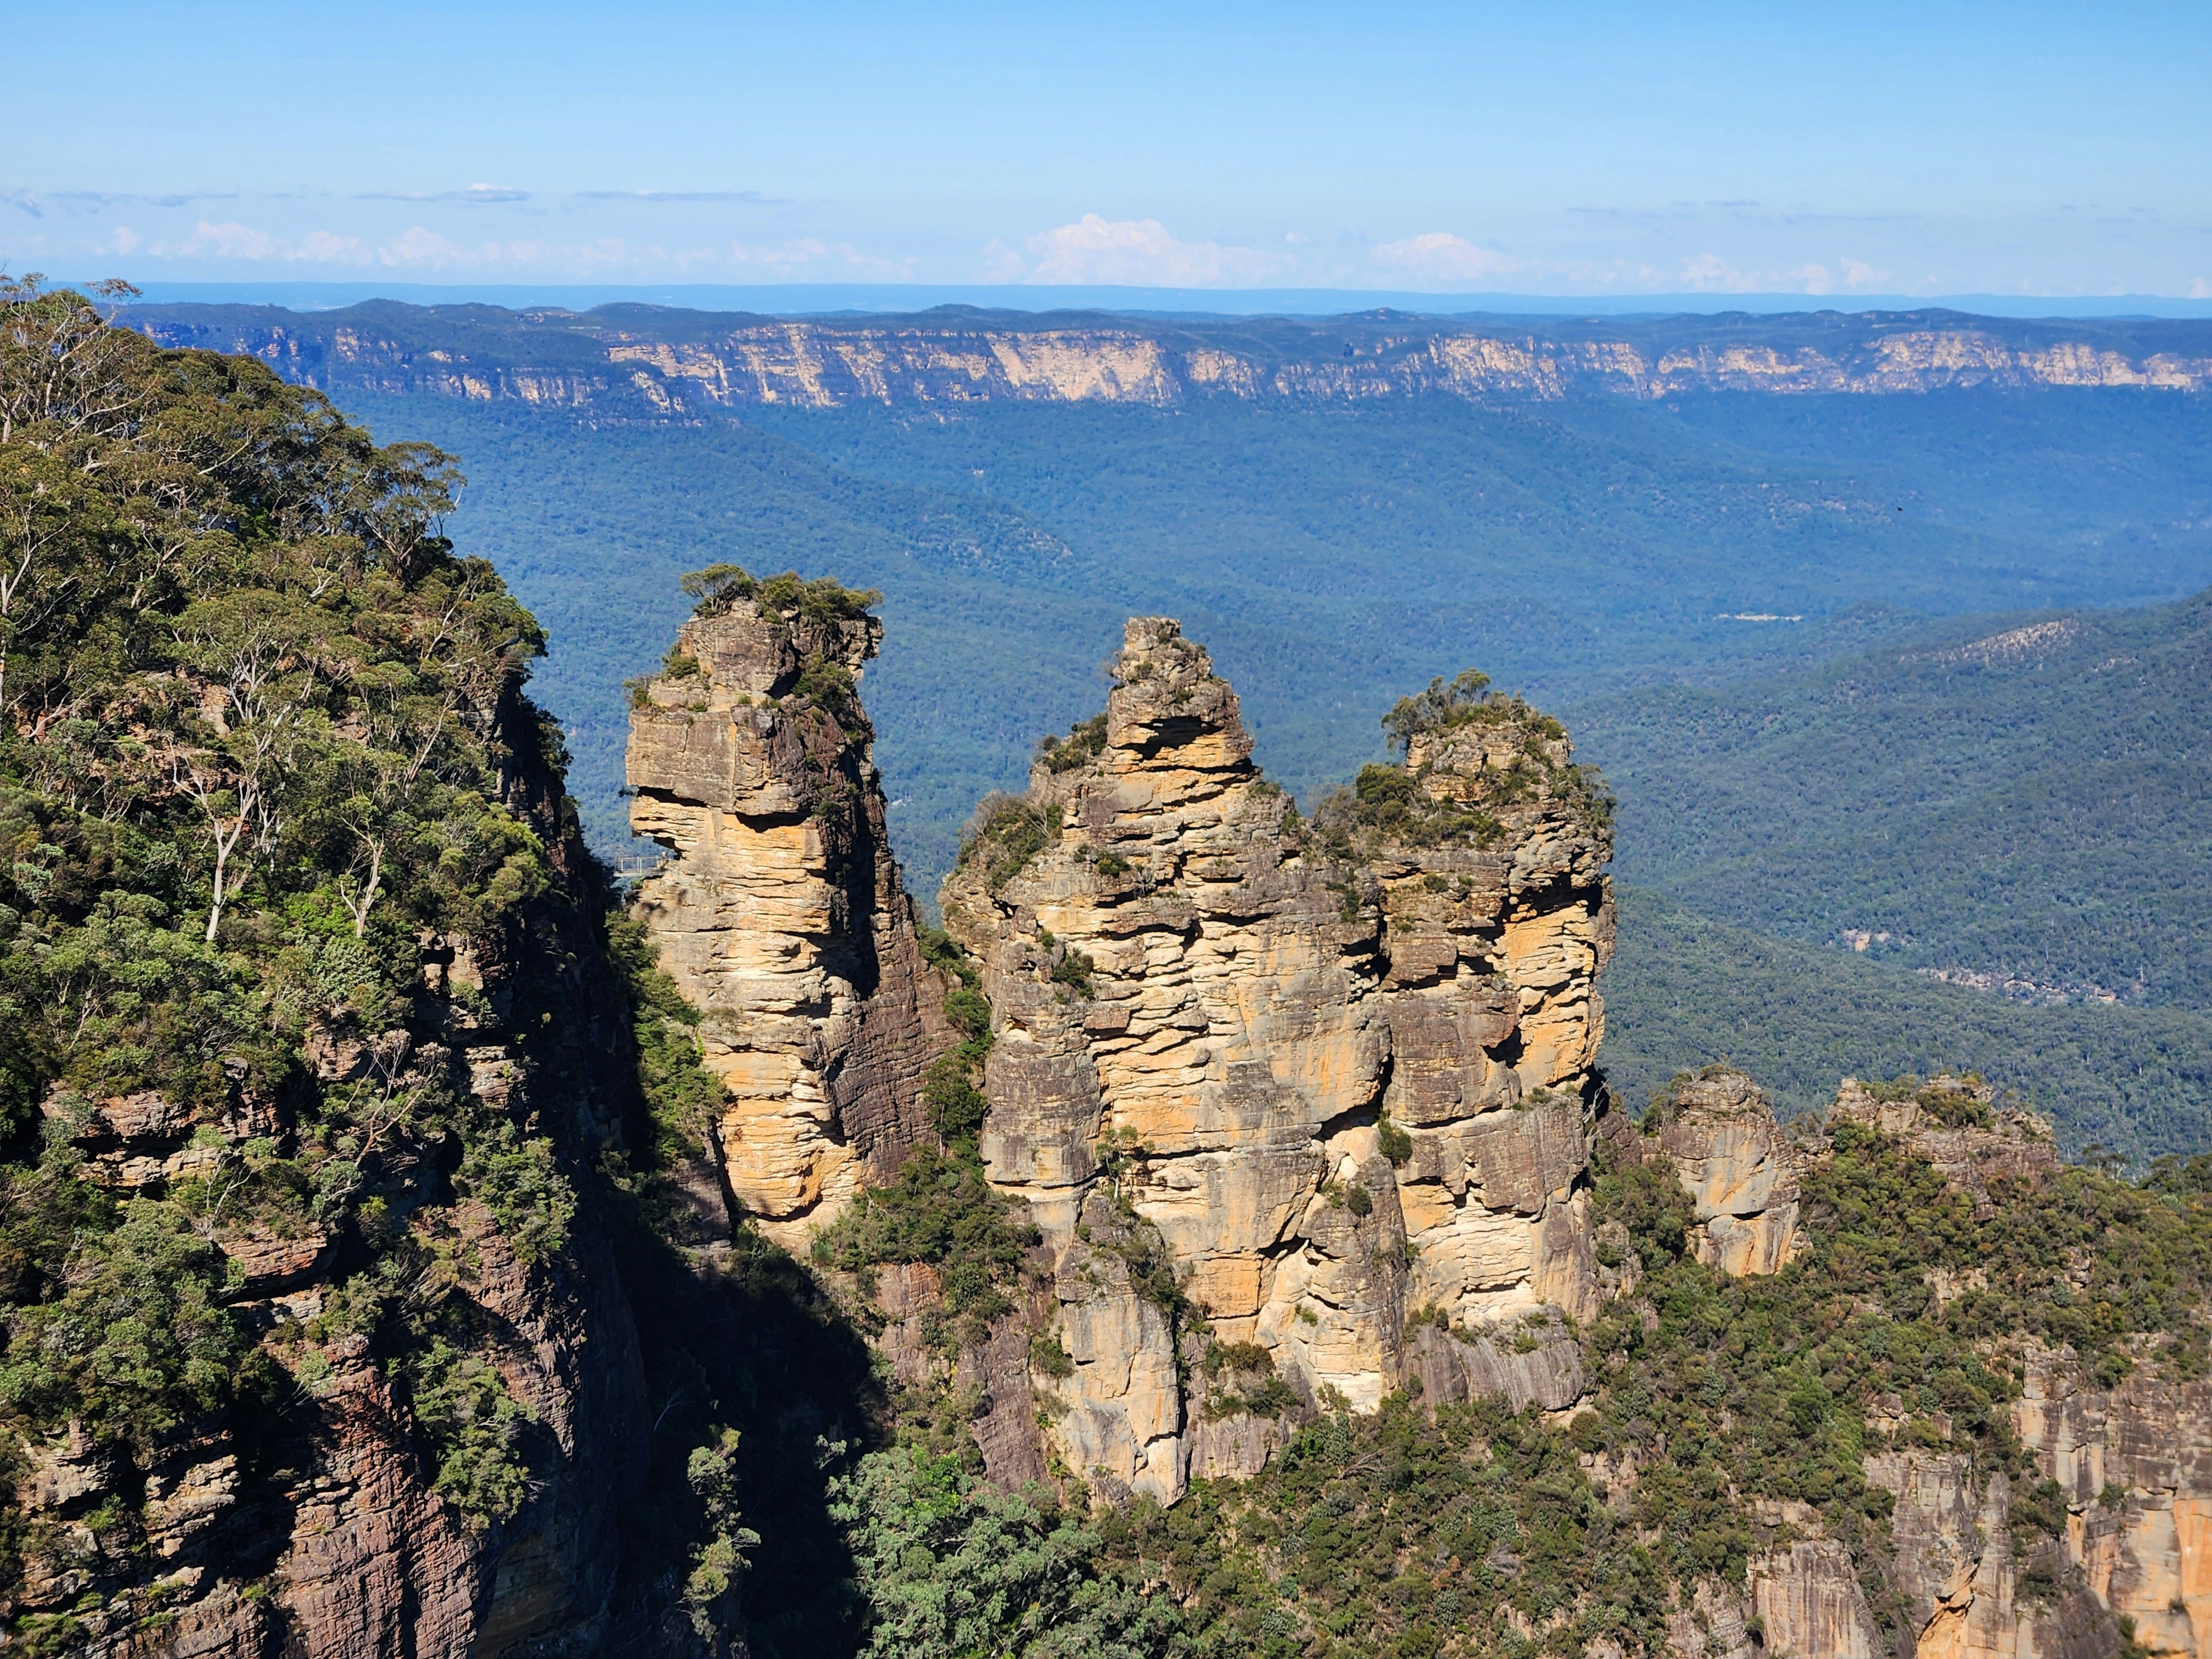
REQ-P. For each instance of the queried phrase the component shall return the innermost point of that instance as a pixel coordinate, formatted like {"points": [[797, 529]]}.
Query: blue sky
{"points": [[1561, 148]]}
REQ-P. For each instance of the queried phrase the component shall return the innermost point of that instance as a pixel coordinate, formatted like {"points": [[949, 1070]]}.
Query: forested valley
{"points": [[370, 1284]]}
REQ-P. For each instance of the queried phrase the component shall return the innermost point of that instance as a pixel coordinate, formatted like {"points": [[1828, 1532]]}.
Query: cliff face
{"points": [[1719, 1129], [665, 361], [2131, 1466], [782, 917], [1337, 1091], [318, 1528]]}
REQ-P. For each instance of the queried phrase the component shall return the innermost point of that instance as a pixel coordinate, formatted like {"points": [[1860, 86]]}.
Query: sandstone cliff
{"points": [[1719, 1129], [781, 915], [2123, 1532], [674, 362], [1343, 1074]]}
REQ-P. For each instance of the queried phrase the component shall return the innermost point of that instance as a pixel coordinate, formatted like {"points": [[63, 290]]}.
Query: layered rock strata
{"points": [[677, 364], [1343, 1079], [1719, 1129], [781, 915]]}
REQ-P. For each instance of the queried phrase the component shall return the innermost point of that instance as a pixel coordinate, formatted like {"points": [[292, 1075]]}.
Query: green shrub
{"points": [[941, 1211], [941, 949], [718, 589], [1006, 832], [948, 1569], [832, 687], [956, 1106], [1085, 741], [821, 600], [1049, 1356], [1075, 970], [472, 1429], [969, 1012], [520, 1182], [137, 1343]]}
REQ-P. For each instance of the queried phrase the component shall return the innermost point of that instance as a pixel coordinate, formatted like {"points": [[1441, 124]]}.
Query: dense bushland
{"points": [[265, 764]]}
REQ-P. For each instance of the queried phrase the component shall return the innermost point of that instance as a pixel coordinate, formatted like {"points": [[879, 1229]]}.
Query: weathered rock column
{"points": [[1290, 1059], [781, 915]]}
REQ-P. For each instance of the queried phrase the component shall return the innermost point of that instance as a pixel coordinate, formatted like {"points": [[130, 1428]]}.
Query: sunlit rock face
{"points": [[1739, 1170], [1342, 1077], [781, 915]]}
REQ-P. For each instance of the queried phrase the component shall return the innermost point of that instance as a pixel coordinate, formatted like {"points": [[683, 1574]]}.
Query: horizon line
{"points": [[816, 298]]}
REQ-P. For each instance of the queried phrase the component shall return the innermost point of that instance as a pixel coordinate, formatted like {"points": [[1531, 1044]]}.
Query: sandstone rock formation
{"points": [[2132, 1465], [1342, 1074], [1959, 1126], [1719, 1128], [781, 915]]}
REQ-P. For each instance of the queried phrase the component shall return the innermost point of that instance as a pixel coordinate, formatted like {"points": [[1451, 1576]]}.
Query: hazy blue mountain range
{"points": [[1608, 554], [825, 299]]}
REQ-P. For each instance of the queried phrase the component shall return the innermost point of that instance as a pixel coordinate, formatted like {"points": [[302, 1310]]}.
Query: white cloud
{"points": [[1439, 256], [1710, 272], [417, 246], [812, 256], [1132, 253], [2200, 289], [227, 241], [478, 193], [326, 247]]}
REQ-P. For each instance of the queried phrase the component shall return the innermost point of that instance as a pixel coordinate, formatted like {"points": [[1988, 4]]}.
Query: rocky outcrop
{"points": [[673, 362], [2134, 1468], [781, 915], [1809, 1605], [1338, 1076], [1958, 1125], [2132, 1465], [1719, 1129]]}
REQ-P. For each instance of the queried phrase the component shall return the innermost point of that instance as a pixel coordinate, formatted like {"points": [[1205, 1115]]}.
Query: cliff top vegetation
{"points": [[720, 588], [261, 738]]}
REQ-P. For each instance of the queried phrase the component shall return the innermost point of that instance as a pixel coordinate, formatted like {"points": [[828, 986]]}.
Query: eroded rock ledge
{"points": [[781, 916], [1347, 1078]]}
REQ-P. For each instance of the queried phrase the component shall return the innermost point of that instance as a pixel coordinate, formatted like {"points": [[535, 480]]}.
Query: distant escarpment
{"points": [[645, 361], [1339, 1074]]}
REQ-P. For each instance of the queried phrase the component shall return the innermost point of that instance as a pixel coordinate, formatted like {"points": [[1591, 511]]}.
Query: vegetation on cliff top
{"points": [[720, 588], [1437, 798], [261, 738]]}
